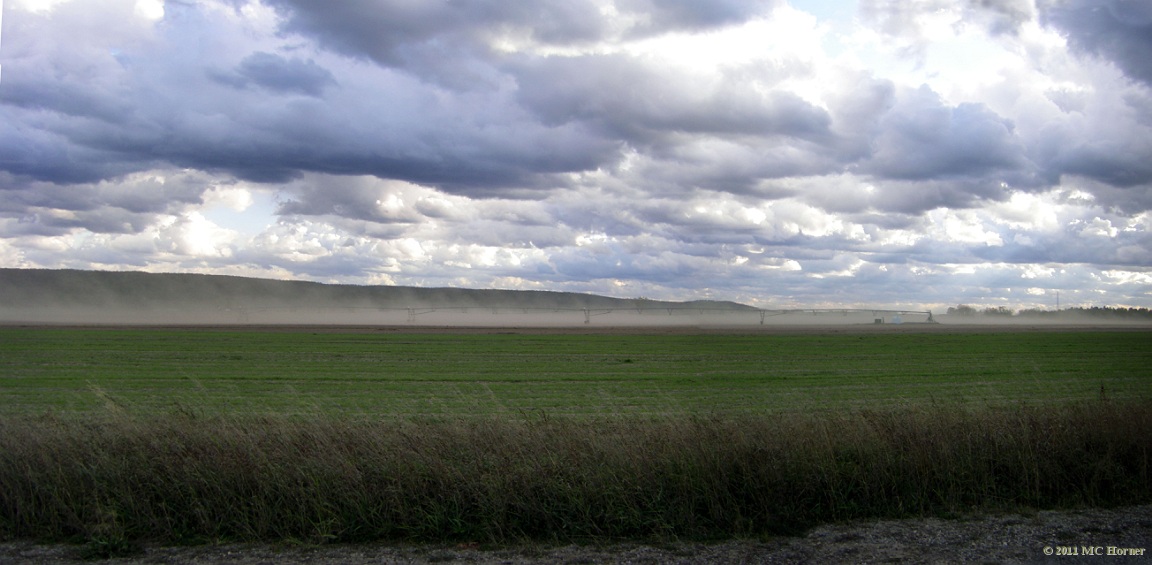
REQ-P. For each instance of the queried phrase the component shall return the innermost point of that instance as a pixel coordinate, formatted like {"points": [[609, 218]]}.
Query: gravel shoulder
{"points": [[1010, 538]]}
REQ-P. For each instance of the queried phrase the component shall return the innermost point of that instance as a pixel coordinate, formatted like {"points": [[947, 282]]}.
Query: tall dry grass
{"points": [[117, 478]]}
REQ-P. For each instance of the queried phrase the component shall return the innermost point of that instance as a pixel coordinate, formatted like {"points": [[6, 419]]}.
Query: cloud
{"points": [[922, 138], [545, 115], [119, 205], [1116, 30], [1002, 16], [278, 74], [401, 33], [166, 103], [667, 15], [1099, 142], [733, 149], [913, 25], [643, 104], [449, 44]]}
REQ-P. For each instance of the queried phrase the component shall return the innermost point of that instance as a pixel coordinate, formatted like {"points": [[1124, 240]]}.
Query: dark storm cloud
{"points": [[543, 145], [1116, 30], [348, 197], [74, 116], [915, 197], [956, 155], [64, 80], [946, 155], [724, 132], [276, 73], [922, 138], [856, 112], [738, 167], [1084, 241], [405, 34], [368, 206], [1113, 163], [665, 15], [1104, 148], [549, 116], [632, 99], [67, 98], [401, 34], [1132, 199], [44, 155], [121, 205]]}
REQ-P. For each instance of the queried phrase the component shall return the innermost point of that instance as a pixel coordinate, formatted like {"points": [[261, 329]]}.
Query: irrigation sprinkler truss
{"points": [[879, 316]]}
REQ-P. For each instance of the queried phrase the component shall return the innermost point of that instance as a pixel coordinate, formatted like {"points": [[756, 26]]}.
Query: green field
{"points": [[114, 438], [389, 373]]}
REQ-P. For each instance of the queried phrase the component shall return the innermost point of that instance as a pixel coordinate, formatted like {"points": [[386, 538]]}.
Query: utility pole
{"points": [[1057, 300]]}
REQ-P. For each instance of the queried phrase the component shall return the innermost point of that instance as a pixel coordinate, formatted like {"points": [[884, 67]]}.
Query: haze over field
{"points": [[110, 298], [88, 297], [904, 154]]}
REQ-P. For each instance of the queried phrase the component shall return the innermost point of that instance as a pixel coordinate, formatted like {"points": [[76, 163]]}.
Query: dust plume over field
{"points": [[72, 297], [38, 296], [91, 297]]}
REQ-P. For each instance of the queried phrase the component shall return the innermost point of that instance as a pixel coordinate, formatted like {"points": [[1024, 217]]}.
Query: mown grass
{"points": [[116, 479]]}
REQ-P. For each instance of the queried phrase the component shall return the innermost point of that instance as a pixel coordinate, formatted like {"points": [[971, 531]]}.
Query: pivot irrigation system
{"points": [[644, 315]]}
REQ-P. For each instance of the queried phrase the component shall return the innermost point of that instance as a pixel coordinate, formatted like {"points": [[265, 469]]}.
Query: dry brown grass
{"points": [[115, 478]]}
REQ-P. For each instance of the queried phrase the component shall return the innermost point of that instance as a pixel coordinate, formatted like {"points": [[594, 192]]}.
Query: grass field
{"points": [[77, 370], [114, 437]]}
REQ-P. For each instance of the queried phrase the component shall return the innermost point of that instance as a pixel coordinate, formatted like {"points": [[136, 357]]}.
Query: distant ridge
{"points": [[94, 296]]}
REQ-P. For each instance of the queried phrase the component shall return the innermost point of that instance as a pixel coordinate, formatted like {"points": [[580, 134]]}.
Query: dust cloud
{"points": [[429, 316], [70, 297]]}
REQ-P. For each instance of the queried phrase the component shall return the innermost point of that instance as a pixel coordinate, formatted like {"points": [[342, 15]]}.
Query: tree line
{"points": [[1111, 312]]}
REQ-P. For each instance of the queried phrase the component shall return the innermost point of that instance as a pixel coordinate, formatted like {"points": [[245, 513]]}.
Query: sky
{"points": [[913, 154]]}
